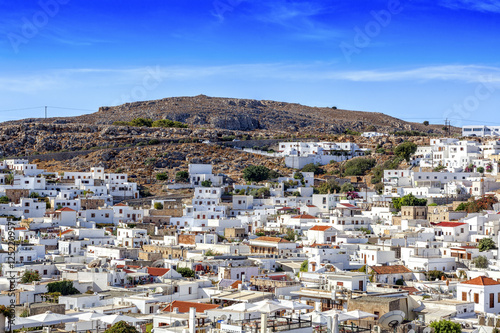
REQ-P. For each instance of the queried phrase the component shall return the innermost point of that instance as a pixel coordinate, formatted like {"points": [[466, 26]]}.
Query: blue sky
{"points": [[415, 60]]}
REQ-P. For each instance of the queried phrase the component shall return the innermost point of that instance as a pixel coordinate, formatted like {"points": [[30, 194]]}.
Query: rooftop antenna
{"points": [[45, 112]]}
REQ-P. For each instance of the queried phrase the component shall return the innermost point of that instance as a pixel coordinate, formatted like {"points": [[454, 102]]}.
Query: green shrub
{"points": [[255, 173], [408, 200], [186, 272], [206, 183], [182, 176], [158, 205], [405, 150], [311, 167], [359, 166], [162, 176]]}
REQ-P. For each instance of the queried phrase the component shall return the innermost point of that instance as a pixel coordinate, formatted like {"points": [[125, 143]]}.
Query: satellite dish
{"points": [[411, 331], [427, 330], [391, 319], [223, 317]]}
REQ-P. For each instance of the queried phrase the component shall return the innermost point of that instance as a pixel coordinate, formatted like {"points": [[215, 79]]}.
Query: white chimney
{"points": [[192, 320]]}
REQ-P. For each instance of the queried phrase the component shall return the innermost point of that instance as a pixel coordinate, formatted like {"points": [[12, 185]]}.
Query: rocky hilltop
{"points": [[247, 115]]}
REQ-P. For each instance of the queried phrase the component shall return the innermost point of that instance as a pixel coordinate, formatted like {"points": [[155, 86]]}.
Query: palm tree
{"points": [[9, 179]]}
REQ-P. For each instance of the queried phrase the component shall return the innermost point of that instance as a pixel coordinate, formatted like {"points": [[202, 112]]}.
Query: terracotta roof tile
{"points": [[65, 209], [67, 231], [482, 281], [449, 224], [304, 216], [184, 306], [321, 227], [157, 271], [270, 239], [391, 269]]}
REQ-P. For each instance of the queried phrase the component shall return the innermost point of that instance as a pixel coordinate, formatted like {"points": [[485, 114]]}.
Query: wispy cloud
{"points": [[299, 18], [492, 6], [111, 78], [464, 73]]}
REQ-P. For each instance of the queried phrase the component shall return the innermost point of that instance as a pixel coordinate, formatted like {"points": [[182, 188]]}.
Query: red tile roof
{"points": [[449, 224], [157, 271], [120, 204], [391, 269], [346, 205], [270, 239], [411, 290], [235, 284], [67, 231], [482, 281], [184, 306], [65, 209], [320, 227], [20, 228], [311, 206], [304, 216], [286, 208]]}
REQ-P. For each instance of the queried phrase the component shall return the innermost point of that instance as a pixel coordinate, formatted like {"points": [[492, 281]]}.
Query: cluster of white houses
{"points": [[187, 264]]}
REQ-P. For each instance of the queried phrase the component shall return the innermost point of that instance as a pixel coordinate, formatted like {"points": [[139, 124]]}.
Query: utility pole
{"points": [[45, 112]]}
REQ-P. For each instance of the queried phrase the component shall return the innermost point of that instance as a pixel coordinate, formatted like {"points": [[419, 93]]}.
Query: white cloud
{"points": [[59, 79], [475, 5]]}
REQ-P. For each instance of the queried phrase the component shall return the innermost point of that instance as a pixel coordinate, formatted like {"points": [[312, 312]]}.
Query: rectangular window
{"points": [[476, 298], [492, 300]]}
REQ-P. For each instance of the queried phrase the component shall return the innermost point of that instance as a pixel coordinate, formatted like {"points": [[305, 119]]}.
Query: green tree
{"points": [[4, 199], [311, 167], [480, 169], [168, 123], [426, 123], [446, 326], [158, 205], [64, 287], [347, 187], [408, 200], [304, 267], [9, 179], [405, 150], [141, 122], [359, 166], [480, 262], [262, 192], [182, 176], [121, 327], [290, 235], [162, 176], [273, 174], [30, 276], [206, 183], [434, 274], [486, 244], [255, 173], [185, 272], [330, 186]]}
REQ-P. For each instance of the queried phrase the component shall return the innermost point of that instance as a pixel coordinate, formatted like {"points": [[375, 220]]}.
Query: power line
{"points": [[63, 108], [22, 109]]}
